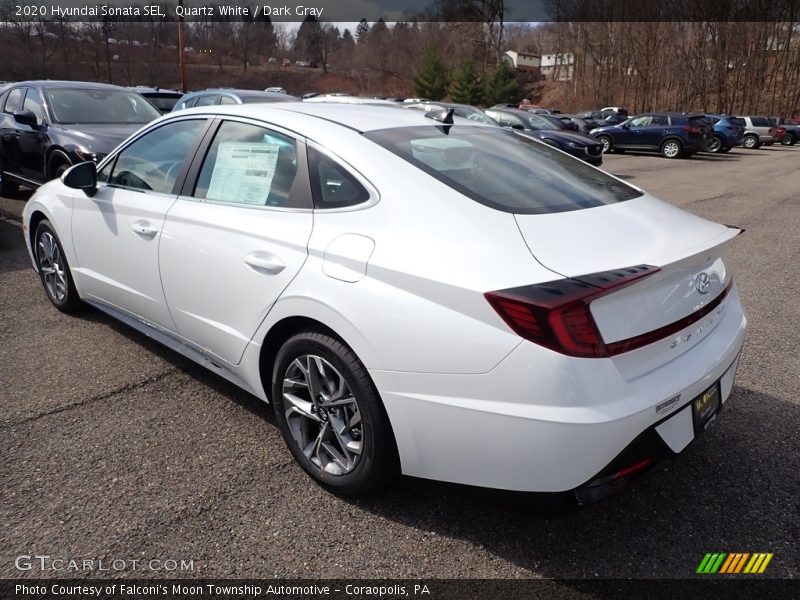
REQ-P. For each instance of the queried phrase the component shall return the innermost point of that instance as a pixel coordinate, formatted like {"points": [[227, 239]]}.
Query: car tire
{"points": [[715, 145], [54, 270], [751, 142], [608, 145], [347, 447], [57, 164], [671, 149], [787, 140]]}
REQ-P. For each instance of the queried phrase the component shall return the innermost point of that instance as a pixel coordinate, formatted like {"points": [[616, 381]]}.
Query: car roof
{"points": [[357, 117], [670, 114], [238, 92], [54, 83]]}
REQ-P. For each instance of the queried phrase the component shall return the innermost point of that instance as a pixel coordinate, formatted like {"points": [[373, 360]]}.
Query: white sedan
{"points": [[443, 299]]}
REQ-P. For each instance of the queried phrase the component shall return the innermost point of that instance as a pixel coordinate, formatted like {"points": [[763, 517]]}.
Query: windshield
{"points": [[504, 170], [99, 106]]}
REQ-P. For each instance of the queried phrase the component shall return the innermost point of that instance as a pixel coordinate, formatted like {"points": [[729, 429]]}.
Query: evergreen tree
{"points": [[466, 86], [431, 77], [362, 30], [503, 85], [347, 41]]}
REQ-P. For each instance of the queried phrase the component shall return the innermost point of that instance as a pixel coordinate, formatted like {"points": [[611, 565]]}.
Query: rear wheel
{"points": [[787, 140], [331, 415], [750, 142], [715, 145], [671, 149], [54, 269]]}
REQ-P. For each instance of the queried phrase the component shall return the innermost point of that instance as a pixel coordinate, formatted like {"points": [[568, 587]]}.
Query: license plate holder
{"points": [[705, 408]]}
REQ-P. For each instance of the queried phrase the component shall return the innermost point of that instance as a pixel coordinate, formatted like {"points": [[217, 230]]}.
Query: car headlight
{"points": [[88, 155]]}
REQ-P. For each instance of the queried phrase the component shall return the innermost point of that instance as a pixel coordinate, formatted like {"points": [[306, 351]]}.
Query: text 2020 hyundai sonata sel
{"points": [[450, 301]]}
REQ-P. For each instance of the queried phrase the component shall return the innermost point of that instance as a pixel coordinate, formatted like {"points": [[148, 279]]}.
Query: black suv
{"points": [[47, 126]]}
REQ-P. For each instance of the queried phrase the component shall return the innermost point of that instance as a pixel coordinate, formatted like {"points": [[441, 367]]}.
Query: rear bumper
{"points": [[544, 422]]}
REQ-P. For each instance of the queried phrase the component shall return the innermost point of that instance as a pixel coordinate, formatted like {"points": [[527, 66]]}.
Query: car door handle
{"points": [[144, 229], [264, 261]]}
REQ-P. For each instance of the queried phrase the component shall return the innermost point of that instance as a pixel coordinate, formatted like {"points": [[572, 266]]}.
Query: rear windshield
{"points": [[503, 170]]}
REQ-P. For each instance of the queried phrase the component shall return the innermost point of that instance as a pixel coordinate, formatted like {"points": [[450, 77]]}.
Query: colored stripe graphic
{"points": [[703, 563], [734, 562], [726, 565], [764, 564]]}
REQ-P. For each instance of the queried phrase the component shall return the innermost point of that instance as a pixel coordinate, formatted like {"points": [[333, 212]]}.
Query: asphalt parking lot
{"points": [[113, 447]]}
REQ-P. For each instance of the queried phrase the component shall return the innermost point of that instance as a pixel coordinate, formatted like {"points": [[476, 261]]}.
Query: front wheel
{"points": [[607, 144], [331, 415], [671, 149], [54, 269]]}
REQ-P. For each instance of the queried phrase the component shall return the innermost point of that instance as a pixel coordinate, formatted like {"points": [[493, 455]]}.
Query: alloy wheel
{"points": [[606, 144], [672, 149], [750, 142], [714, 145], [322, 414], [52, 267]]}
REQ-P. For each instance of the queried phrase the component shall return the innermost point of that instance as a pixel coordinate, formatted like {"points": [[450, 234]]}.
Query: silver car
{"points": [[758, 131]]}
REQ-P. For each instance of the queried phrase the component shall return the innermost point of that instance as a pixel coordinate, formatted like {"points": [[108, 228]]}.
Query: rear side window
{"points": [[660, 120], [504, 170], [760, 122], [248, 164], [332, 185], [14, 100]]}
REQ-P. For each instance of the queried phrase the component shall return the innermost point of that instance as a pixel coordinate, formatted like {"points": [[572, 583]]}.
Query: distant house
{"points": [[558, 66], [523, 62]]}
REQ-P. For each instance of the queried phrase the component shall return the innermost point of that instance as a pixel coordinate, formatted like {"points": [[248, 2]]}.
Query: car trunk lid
{"points": [[689, 252]]}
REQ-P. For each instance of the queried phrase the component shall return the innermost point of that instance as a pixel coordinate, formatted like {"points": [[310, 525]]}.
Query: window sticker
{"points": [[243, 172]]}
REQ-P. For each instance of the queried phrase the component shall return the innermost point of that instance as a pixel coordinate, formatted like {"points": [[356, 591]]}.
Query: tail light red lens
{"points": [[694, 130], [556, 314]]}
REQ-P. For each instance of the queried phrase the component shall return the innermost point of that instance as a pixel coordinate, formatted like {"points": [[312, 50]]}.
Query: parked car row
{"points": [[47, 126]]}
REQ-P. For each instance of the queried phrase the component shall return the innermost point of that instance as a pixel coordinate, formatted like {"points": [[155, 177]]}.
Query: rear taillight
{"points": [[694, 130], [780, 132], [556, 314]]}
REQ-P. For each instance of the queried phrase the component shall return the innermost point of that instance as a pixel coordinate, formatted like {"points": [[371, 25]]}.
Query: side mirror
{"points": [[82, 176], [26, 117], [519, 127], [625, 125]]}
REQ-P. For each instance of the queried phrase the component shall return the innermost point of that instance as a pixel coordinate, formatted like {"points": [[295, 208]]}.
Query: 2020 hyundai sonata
{"points": [[413, 293]]}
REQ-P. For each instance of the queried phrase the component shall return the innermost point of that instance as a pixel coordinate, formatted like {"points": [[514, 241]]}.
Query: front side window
{"points": [[207, 100], [153, 162], [248, 164], [33, 104], [227, 100], [99, 106], [504, 170], [640, 121]]}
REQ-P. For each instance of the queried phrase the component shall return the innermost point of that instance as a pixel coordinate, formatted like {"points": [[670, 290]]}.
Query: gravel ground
{"points": [[113, 447]]}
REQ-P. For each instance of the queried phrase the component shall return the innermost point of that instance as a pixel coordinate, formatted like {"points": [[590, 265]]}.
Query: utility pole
{"points": [[181, 56]]}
